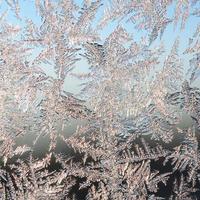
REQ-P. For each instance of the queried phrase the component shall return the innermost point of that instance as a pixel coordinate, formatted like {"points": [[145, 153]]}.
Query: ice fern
{"points": [[131, 141]]}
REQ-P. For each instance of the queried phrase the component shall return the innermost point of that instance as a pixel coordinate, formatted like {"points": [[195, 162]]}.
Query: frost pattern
{"points": [[132, 101]]}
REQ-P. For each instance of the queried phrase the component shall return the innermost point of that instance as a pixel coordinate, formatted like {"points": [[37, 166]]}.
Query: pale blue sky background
{"points": [[28, 11]]}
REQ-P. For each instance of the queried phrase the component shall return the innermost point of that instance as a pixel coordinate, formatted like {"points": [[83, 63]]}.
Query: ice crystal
{"points": [[129, 143]]}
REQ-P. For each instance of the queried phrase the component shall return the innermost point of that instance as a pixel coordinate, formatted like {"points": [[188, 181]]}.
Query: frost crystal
{"points": [[131, 141]]}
